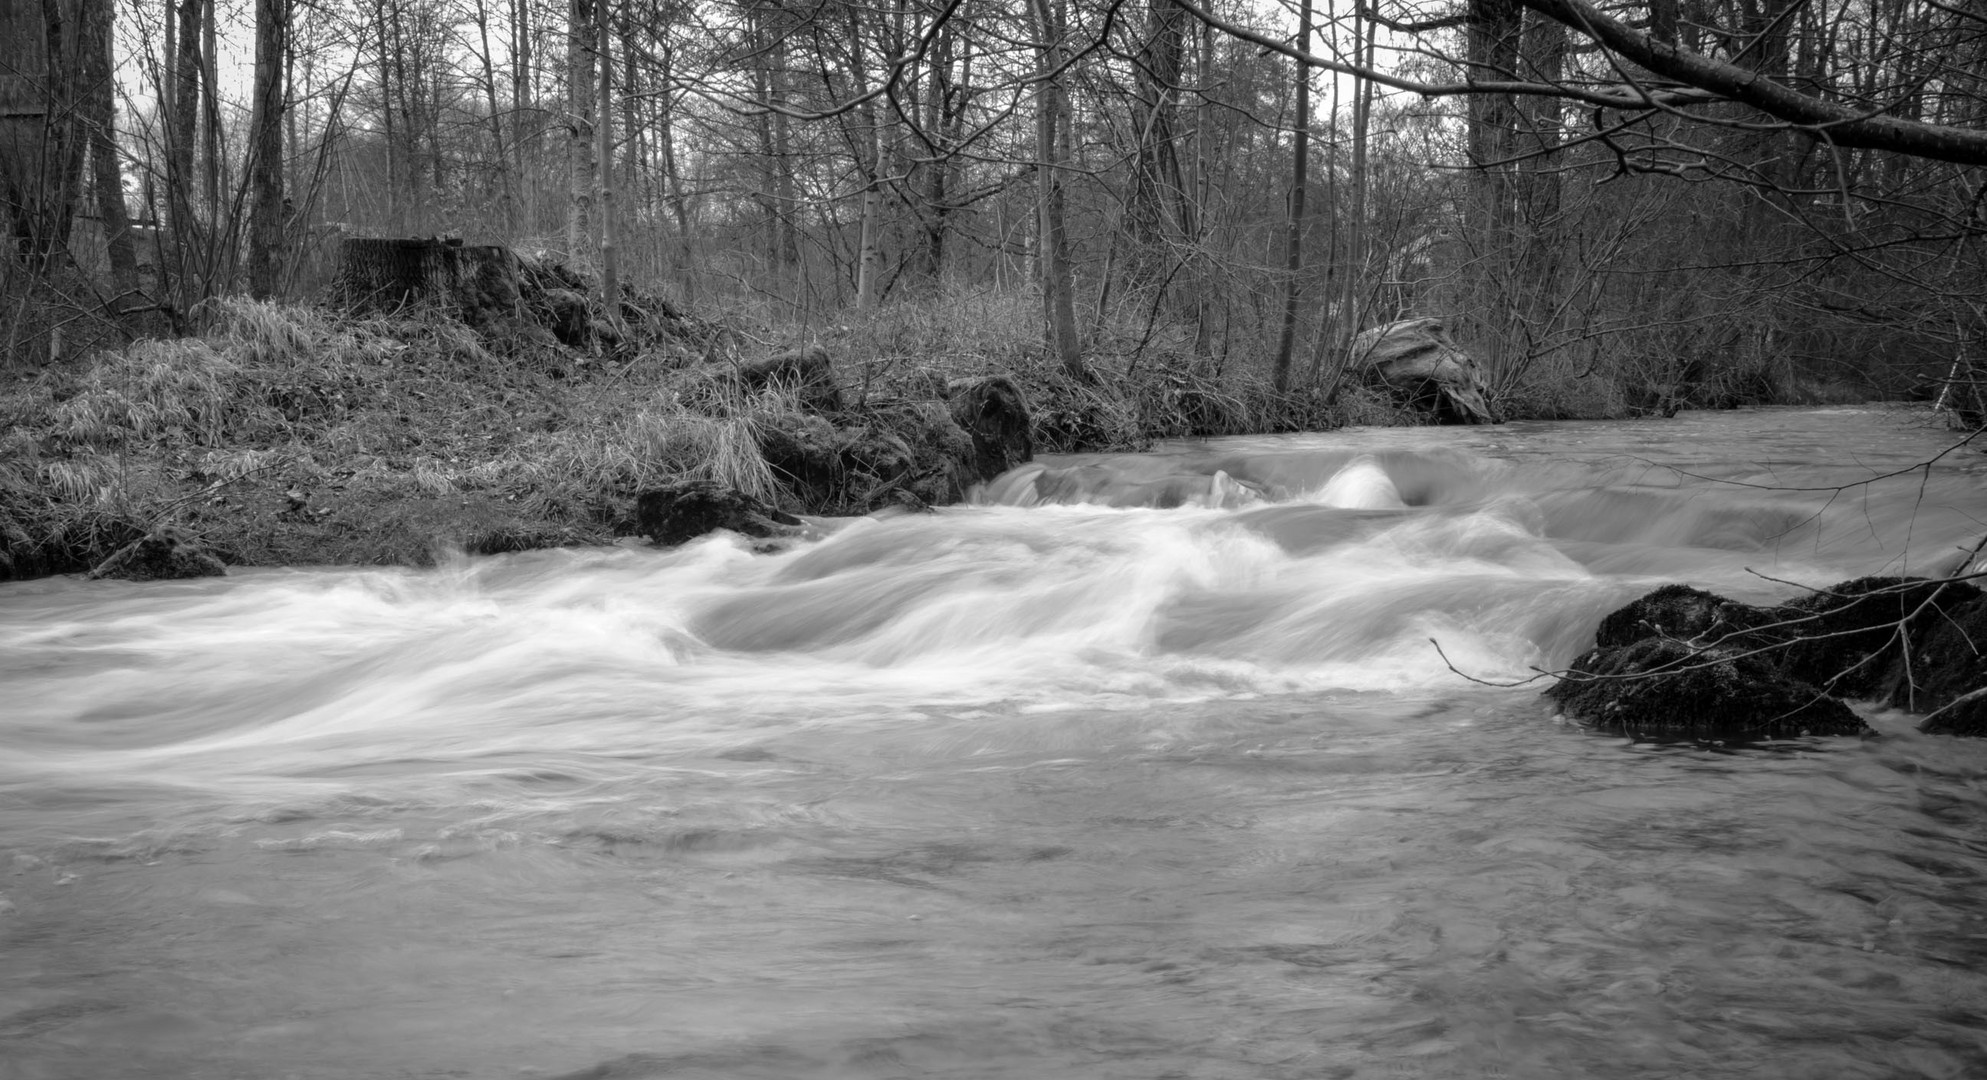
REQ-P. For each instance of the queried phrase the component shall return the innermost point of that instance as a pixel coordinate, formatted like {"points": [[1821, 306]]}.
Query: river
{"points": [[1143, 767]]}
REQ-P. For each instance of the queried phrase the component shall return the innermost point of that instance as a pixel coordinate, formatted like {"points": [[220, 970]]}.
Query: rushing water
{"points": [[1146, 767]]}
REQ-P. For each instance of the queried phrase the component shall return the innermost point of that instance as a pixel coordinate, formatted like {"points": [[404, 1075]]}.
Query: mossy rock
{"points": [[675, 513], [161, 555], [1681, 612], [1845, 637], [914, 449], [1948, 662], [805, 454], [808, 372], [994, 414], [1662, 687]]}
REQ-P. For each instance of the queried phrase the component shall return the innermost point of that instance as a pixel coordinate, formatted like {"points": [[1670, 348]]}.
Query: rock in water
{"points": [[1681, 612], [1948, 669], [1848, 636], [162, 555], [1706, 666], [1663, 687], [1680, 662], [1420, 363], [992, 410], [683, 511]]}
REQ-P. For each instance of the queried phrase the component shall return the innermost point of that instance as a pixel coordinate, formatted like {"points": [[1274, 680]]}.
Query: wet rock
{"points": [[1684, 661], [1678, 611], [1662, 687], [1420, 364], [683, 511], [807, 371], [1846, 637], [992, 411], [1947, 670], [164, 554]]}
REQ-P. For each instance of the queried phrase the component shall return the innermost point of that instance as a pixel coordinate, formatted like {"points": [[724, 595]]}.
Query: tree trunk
{"points": [[389, 105], [521, 97], [1352, 313], [869, 165], [672, 177], [1545, 45], [1495, 28], [500, 158], [265, 247], [610, 269], [210, 110], [1157, 191], [107, 175], [1058, 284], [937, 174], [183, 125], [1294, 238], [580, 148]]}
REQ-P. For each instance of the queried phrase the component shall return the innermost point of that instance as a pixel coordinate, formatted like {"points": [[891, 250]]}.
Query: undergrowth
{"points": [[288, 434]]}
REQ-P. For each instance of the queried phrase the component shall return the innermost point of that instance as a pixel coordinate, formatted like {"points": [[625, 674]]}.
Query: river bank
{"points": [[298, 435], [295, 435]]}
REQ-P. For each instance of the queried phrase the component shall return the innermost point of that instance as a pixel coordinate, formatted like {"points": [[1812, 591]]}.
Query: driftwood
{"points": [[1420, 364]]}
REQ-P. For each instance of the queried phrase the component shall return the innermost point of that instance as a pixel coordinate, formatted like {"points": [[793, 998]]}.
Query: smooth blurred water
{"points": [[1146, 767]]}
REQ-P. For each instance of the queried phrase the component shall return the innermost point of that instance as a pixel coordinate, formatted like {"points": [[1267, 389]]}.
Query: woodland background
{"points": [[1624, 206]]}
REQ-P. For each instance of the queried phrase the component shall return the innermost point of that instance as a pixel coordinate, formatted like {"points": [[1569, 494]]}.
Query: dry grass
{"points": [[284, 434]]}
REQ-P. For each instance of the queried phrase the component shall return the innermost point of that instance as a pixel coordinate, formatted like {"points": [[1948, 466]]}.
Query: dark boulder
{"points": [[164, 554], [994, 414], [1684, 661], [1947, 666], [881, 453], [682, 511], [807, 372], [913, 453], [891, 454], [1661, 687], [805, 454], [1679, 611], [1846, 638]]}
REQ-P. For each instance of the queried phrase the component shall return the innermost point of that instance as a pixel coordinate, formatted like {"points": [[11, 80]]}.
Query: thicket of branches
{"points": [[1626, 205]]}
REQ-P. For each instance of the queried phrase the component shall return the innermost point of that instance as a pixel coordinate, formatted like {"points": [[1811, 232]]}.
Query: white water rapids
{"points": [[1143, 767]]}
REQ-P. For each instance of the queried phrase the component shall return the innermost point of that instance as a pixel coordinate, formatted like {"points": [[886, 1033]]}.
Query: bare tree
{"points": [[266, 168]]}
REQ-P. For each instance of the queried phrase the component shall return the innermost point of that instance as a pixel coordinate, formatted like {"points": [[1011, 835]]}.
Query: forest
{"points": [[1162, 216]]}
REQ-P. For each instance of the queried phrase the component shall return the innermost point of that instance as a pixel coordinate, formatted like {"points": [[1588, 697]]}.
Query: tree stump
{"points": [[477, 282]]}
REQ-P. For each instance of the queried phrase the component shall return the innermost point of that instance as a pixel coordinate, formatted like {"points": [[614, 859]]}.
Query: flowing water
{"points": [[1144, 767]]}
